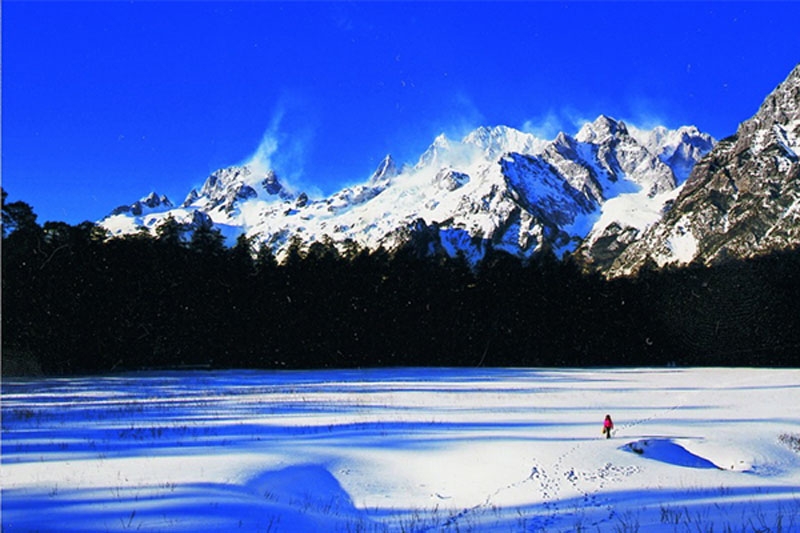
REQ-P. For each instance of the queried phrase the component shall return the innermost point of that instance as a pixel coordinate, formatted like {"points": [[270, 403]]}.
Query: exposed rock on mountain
{"points": [[497, 188], [227, 187], [149, 202], [741, 200]]}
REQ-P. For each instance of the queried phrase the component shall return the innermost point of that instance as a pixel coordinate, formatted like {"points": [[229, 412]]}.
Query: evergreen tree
{"points": [[75, 300], [18, 217], [207, 240], [170, 232]]}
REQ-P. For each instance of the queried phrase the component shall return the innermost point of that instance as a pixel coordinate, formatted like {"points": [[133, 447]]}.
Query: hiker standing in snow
{"points": [[608, 425]]}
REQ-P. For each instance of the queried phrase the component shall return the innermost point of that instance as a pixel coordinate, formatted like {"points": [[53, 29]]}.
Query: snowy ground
{"points": [[403, 450]]}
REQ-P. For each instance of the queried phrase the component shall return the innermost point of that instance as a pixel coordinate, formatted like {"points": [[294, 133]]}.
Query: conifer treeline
{"points": [[75, 301]]}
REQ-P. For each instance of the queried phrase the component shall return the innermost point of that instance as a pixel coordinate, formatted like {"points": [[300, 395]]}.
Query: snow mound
{"points": [[310, 486], [669, 452]]}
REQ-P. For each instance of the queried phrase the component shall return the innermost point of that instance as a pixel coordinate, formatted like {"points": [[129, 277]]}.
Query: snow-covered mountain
{"points": [[741, 200], [497, 188], [150, 202]]}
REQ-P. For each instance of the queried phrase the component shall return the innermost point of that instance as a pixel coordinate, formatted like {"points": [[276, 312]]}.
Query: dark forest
{"points": [[77, 302]]}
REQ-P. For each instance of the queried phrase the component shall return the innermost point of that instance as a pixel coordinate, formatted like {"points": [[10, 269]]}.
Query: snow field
{"points": [[402, 450]]}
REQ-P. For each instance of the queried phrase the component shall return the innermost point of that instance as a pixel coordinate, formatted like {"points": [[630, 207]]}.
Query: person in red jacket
{"points": [[608, 425]]}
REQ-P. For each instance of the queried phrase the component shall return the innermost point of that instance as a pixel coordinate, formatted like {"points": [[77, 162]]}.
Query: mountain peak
{"points": [[484, 134], [154, 200], [149, 202], [564, 140], [435, 152], [387, 169], [441, 140], [781, 107], [227, 187], [601, 130], [497, 140], [740, 200]]}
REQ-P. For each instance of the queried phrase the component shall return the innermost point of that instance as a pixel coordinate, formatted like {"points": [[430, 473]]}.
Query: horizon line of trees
{"points": [[75, 301]]}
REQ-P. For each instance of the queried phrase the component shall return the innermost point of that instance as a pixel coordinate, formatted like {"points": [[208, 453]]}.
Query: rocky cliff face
{"points": [[741, 200], [226, 188]]}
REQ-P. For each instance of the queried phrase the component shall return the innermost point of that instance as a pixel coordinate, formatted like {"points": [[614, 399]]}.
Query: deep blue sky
{"points": [[103, 102]]}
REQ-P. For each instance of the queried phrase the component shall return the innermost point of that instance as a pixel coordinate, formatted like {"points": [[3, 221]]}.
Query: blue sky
{"points": [[104, 102]]}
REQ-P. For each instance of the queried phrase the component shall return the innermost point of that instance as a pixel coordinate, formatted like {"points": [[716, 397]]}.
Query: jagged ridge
{"points": [[497, 188], [741, 200]]}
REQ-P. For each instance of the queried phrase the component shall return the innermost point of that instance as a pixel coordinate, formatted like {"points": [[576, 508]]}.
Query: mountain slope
{"points": [[497, 188], [742, 199]]}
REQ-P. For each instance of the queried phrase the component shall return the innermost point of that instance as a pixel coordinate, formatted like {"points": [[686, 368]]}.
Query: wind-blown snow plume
{"points": [[283, 149], [261, 160], [556, 121], [545, 127]]}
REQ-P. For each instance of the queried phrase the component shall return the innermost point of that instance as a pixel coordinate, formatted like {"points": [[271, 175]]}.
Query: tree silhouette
{"points": [[76, 300]]}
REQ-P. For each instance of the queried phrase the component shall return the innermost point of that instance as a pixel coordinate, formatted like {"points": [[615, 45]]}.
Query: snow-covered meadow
{"points": [[404, 450]]}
